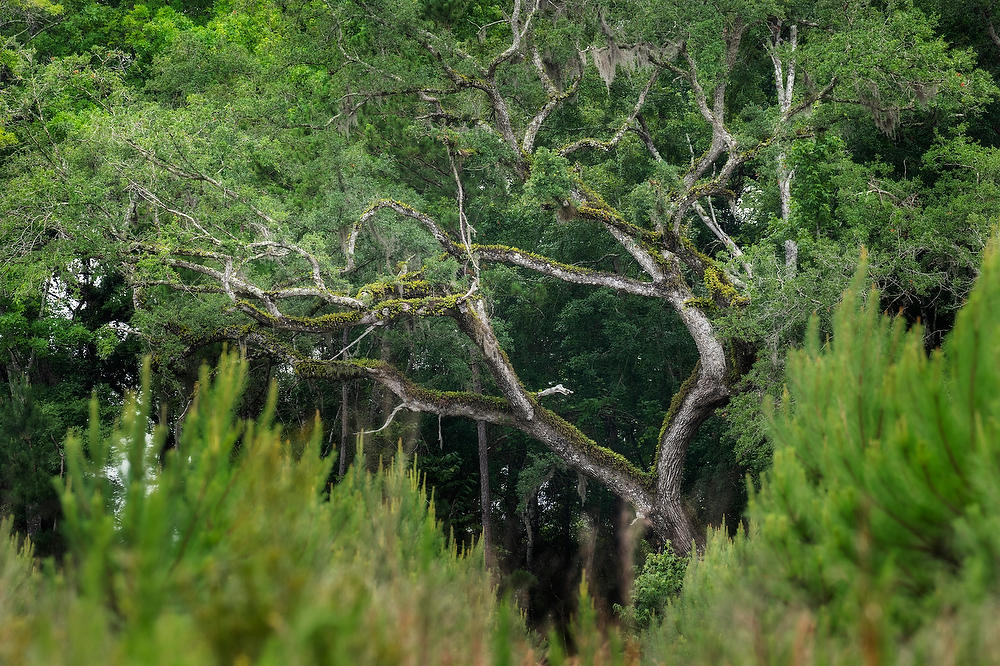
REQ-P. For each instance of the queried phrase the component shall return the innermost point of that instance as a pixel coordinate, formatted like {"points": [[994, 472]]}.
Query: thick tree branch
{"points": [[473, 320], [565, 272], [643, 245], [580, 452], [379, 314], [245, 292], [439, 235]]}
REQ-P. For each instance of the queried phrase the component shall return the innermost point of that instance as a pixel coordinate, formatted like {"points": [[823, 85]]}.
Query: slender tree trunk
{"points": [[784, 82], [343, 423], [485, 497], [343, 430], [785, 186], [791, 257], [527, 517]]}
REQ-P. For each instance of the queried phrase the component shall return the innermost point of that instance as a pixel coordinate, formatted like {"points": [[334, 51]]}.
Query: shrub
{"points": [[661, 579]]}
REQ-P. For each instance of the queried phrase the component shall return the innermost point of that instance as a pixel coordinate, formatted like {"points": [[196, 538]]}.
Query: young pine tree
{"points": [[874, 538]]}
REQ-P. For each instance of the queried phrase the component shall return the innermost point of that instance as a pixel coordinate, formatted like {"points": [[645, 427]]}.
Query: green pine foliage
{"points": [[235, 550], [874, 538]]}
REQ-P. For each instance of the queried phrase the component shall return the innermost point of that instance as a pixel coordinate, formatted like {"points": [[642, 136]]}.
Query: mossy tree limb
{"points": [[378, 314], [565, 272]]}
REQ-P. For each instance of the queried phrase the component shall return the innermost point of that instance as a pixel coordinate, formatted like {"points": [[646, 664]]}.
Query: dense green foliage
{"points": [[58, 351], [150, 151]]}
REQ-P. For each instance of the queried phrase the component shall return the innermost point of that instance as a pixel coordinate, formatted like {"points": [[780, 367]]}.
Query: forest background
{"points": [[558, 252]]}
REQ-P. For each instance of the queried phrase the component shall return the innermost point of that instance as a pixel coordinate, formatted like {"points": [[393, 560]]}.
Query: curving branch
{"points": [[246, 291], [645, 246], [629, 124], [565, 272], [388, 421], [234, 283], [647, 138], [519, 30], [713, 225], [379, 314], [407, 211]]}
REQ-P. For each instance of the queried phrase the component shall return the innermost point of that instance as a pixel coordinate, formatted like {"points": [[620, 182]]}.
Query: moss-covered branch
{"points": [[380, 313], [566, 272]]}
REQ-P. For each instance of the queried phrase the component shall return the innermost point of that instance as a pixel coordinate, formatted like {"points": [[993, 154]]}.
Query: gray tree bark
{"points": [[485, 497]]}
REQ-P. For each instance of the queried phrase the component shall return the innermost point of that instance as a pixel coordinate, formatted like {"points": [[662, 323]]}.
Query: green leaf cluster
{"points": [[550, 181], [660, 580]]}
